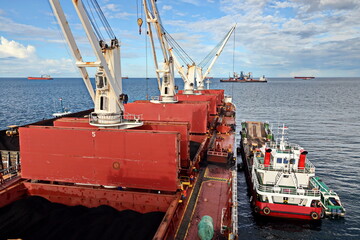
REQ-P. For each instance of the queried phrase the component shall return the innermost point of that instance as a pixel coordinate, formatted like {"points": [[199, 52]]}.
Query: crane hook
{"points": [[139, 22]]}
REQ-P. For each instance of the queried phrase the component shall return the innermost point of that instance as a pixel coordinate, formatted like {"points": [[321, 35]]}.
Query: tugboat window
{"points": [[286, 161], [279, 160]]}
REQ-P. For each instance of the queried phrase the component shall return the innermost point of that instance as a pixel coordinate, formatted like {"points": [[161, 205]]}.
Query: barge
{"points": [[281, 179], [166, 164]]}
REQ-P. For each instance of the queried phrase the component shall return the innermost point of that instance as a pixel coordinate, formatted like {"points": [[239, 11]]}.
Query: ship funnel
{"points": [[267, 157], [302, 160]]}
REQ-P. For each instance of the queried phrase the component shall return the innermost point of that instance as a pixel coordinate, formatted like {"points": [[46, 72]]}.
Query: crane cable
{"points": [[210, 56], [177, 48], [96, 15]]}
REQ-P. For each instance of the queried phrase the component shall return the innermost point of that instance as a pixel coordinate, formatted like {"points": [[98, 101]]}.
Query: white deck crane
{"points": [[195, 71], [107, 97], [165, 73]]}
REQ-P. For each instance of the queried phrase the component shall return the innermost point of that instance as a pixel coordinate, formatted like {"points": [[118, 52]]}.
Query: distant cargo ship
{"points": [[42, 77], [244, 78], [305, 78]]}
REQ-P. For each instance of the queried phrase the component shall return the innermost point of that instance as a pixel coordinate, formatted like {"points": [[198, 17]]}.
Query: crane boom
{"points": [[200, 77]]}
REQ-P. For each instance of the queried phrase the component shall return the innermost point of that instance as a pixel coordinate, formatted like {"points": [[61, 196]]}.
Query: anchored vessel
{"points": [[244, 78], [281, 179], [43, 77], [305, 78], [173, 155]]}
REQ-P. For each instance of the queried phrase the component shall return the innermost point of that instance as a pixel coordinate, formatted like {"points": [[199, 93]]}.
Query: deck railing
{"points": [[114, 118], [9, 173], [309, 167], [282, 190]]}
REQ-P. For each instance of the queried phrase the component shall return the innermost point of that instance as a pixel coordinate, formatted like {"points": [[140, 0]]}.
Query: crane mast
{"points": [[108, 97], [165, 73]]}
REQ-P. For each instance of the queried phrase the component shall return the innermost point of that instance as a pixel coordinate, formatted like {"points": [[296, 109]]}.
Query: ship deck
{"points": [[210, 197]]}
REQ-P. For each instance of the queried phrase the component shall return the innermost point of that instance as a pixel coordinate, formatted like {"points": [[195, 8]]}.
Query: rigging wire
{"points": [[104, 20], [93, 22], [177, 48], [97, 17], [210, 56]]}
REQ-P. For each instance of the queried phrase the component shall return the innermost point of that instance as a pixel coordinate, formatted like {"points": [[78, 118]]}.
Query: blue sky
{"points": [[273, 38]]}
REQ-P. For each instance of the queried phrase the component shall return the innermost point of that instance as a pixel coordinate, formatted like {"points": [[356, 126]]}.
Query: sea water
{"points": [[322, 115]]}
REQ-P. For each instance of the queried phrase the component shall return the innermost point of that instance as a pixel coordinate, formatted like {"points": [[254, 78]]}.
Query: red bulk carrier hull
{"points": [[158, 167]]}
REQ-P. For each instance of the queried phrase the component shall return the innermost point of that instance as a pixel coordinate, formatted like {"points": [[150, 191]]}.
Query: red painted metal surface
{"points": [[127, 158], [302, 160], [93, 197], [219, 92], [196, 113], [12, 193], [267, 157], [180, 127], [213, 197], [211, 98], [73, 122], [288, 211]]}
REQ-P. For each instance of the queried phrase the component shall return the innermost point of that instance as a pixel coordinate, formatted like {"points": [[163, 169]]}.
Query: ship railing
{"points": [[316, 185], [289, 147], [215, 153], [113, 118], [234, 213], [282, 190], [132, 117], [9, 173], [258, 162], [159, 98]]}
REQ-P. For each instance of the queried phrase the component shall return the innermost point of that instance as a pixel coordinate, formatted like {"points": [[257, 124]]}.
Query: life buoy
{"points": [[256, 209], [266, 210], [314, 215]]}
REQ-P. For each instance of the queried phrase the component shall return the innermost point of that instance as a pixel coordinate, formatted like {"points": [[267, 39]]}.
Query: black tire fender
{"points": [[266, 210], [314, 215]]}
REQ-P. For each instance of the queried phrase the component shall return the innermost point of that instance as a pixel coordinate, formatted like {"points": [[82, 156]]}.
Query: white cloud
{"points": [[18, 29], [166, 7], [193, 2], [12, 49], [110, 7], [121, 15], [19, 60]]}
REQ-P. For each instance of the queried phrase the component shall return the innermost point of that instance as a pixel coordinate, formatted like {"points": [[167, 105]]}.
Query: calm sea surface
{"points": [[322, 115]]}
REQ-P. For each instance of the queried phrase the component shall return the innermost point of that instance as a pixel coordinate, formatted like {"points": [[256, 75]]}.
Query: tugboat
{"points": [[281, 179], [144, 158]]}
